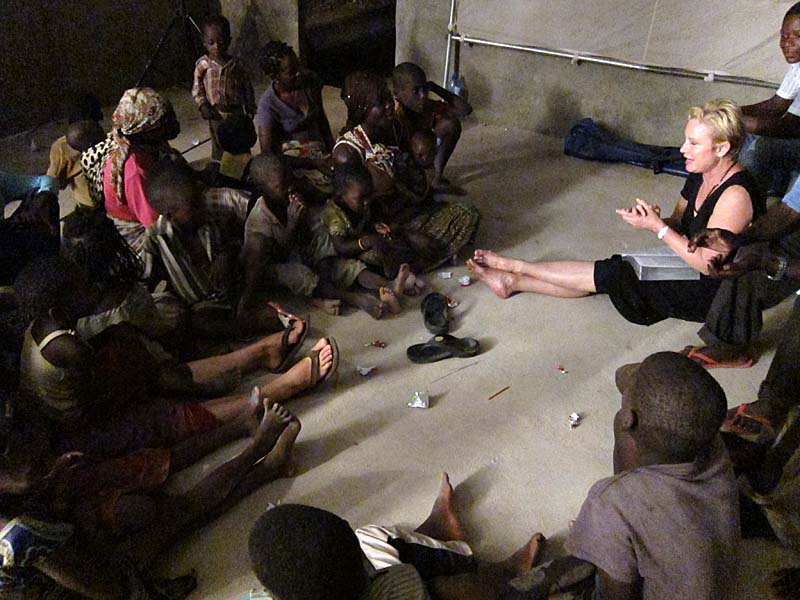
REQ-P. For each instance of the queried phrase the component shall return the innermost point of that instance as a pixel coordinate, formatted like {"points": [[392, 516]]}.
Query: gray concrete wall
{"points": [[55, 49], [255, 22], [549, 94]]}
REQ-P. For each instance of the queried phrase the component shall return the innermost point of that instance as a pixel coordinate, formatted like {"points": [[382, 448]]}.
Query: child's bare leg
{"points": [[504, 284], [190, 450], [449, 132], [297, 379], [253, 257], [489, 581], [266, 352], [366, 302], [180, 513], [443, 522]]}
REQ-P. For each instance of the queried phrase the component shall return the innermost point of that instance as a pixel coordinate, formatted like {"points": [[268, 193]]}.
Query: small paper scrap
{"points": [[562, 370], [419, 400], [575, 420], [364, 371], [445, 274], [452, 302], [376, 344], [464, 281]]}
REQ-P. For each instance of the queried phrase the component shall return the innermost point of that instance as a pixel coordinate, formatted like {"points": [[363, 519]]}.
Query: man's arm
{"points": [[771, 118], [778, 221]]}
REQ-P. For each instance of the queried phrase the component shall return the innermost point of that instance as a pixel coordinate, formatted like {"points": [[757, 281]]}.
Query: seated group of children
{"points": [[114, 386], [113, 392]]}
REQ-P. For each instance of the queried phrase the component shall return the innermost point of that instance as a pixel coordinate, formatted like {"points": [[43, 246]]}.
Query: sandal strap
{"points": [[314, 376]]}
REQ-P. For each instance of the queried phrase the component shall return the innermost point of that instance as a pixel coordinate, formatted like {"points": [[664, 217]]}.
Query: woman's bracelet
{"points": [[662, 232], [360, 245]]}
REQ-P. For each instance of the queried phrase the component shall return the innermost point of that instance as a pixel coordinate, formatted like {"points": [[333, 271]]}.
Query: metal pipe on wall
{"points": [[458, 38], [450, 29]]}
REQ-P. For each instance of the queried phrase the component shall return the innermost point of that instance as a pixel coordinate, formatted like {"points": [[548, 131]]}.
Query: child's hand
{"points": [[383, 229], [296, 208]]}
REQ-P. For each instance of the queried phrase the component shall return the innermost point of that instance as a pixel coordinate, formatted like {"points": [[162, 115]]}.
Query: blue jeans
{"points": [[772, 161], [14, 187]]}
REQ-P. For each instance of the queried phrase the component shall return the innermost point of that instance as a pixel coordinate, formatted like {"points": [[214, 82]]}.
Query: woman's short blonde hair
{"points": [[724, 119]]}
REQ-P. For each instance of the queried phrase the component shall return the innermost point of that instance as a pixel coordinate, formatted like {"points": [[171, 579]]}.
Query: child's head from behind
{"points": [[270, 174], [671, 411], [82, 135], [423, 148], [237, 134], [56, 287], [216, 36], [173, 192], [305, 553], [352, 184]]}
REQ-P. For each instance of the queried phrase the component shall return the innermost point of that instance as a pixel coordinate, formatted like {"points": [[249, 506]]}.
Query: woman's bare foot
{"points": [[523, 559], [443, 523], [502, 283], [390, 299], [250, 417], [332, 307], [278, 463], [399, 283], [370, 305], [276, 418], [487, 258], [298, 378]]}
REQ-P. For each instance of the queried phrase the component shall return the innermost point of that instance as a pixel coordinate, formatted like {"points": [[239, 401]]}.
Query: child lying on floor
{"points": [[305, 553], [349, 244]]}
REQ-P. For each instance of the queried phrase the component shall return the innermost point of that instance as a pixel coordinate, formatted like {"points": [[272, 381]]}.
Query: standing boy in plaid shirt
{"points": [[221, 85]]}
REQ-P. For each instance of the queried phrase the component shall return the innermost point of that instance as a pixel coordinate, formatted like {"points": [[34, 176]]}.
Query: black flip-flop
{"points": [[441, 347], [434, 312], [288, 350]]}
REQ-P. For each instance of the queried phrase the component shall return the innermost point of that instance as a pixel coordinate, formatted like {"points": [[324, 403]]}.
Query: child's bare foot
{"points": [[250, 417], [410, 287], [502, 283], [276, 418], [370, 305], [523, 559], [399, 283], [332, 307], [298, 378], [278, 463], [443, 522], [390, 299], [487, 258]]}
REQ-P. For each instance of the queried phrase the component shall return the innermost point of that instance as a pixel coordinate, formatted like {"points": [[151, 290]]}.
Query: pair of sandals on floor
{"points": [[442, 345]]}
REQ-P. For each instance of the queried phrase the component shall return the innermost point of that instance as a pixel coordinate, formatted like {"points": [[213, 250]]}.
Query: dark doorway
{"points": [[340, 36]]}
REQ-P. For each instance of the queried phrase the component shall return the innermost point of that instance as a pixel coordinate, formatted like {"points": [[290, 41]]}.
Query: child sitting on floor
{"points": [[73, 526], [83, 132], [279, 245], [666, 525], [198, 239], [221, 85], [349, 242], [306, 553]]}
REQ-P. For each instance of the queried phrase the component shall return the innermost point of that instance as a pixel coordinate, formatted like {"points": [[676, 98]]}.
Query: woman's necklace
{"points": [[711, 191]]}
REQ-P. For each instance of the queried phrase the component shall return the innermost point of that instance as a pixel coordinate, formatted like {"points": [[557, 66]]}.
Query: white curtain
{"points": [[732, 37]]}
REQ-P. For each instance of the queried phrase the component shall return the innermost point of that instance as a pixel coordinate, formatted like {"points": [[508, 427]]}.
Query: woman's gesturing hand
{"points": [[642, 215]]}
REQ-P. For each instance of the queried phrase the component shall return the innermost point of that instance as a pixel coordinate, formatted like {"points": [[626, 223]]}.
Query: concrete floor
{"points": [[518, 467]]}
